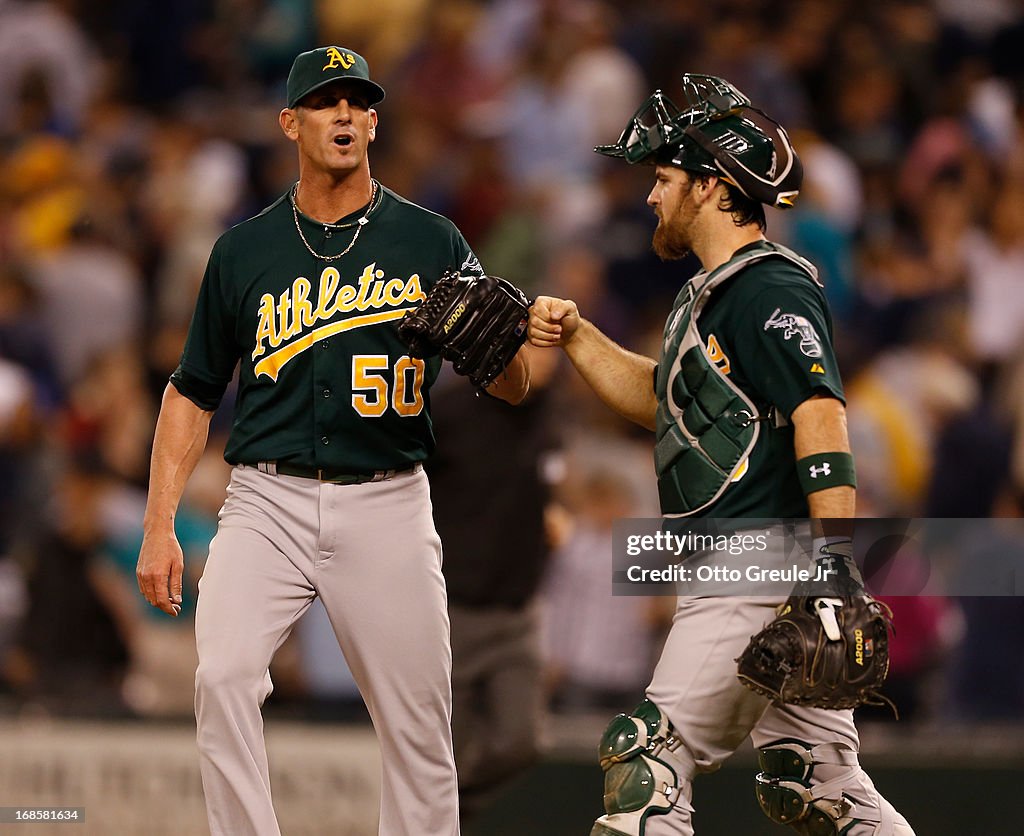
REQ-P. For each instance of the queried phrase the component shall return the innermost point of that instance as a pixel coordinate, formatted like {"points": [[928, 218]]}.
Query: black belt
{"points": [[334, 475]]}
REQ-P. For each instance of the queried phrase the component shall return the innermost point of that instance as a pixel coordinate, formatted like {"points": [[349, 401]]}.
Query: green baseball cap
{"points": [[318, 67]]}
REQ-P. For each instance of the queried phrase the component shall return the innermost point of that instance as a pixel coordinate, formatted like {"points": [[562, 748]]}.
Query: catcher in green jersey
{"points": [[747, 408], [327, 496]]}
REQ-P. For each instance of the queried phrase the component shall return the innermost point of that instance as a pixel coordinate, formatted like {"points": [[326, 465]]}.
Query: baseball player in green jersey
{"points": [[747, 407], [327, 497]]}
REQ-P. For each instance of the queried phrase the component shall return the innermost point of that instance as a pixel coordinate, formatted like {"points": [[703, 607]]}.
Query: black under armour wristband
{"points": [[821, 471]]}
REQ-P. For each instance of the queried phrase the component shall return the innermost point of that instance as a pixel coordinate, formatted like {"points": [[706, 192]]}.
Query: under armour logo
{"points": [[824, 470], [339, 59]]}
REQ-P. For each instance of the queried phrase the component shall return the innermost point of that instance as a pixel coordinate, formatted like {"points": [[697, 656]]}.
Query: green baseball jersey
{"points": [[324, 380], [769, 331]]}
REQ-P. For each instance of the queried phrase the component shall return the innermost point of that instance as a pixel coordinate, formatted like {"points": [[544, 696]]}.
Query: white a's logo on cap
{"points": [[339, 59]]}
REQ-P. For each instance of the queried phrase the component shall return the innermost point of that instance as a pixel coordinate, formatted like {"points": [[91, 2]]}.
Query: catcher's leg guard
{"points": [[820, 791], [639, 781], [788, 796]]}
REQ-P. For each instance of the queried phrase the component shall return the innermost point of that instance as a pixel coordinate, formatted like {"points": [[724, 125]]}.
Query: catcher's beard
{"points": [[669, 244], [672, 239]]}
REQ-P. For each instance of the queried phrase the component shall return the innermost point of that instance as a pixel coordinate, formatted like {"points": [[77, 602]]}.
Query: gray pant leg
{"points": [[695, 685], [250, 596], [378, 573]]}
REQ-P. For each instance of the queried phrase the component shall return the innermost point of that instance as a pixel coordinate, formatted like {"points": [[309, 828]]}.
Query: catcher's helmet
{"points": [[719, 133]]}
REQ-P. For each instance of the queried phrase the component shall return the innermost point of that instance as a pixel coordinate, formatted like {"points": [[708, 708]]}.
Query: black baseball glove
{"points": [[476, 322], [828, 652]]}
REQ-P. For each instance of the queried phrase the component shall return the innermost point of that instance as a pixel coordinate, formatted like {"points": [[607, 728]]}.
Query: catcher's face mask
{"points": [[718, 133]]}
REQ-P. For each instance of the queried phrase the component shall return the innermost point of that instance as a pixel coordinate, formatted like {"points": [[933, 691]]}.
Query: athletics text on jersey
{"points": [[323, 379]]}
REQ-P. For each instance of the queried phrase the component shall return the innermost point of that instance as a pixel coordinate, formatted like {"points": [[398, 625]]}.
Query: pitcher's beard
{"points": [[668, 244]]}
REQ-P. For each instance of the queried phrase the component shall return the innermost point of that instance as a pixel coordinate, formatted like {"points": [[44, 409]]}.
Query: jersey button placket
{"points": [[324, 402]]}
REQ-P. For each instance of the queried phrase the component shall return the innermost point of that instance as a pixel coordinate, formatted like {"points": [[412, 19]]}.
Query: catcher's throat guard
{"points": [[478, 323]]}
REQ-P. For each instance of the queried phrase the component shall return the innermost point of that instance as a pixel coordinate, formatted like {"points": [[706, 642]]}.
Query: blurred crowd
{"points": [[134, 132]]}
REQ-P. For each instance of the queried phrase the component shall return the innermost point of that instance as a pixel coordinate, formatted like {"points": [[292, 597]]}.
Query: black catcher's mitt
{"points": [[823, 652], [476, 322]]}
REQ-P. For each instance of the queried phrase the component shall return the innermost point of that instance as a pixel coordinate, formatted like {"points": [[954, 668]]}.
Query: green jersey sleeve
{"points": [[211, 349], [784, 337]]}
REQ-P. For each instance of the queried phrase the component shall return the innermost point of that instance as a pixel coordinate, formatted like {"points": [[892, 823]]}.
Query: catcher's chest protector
{"points": [[706, 426]]}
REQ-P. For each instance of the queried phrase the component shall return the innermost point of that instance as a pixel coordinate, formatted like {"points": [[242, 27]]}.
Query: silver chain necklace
{"points": [[358, 224]]}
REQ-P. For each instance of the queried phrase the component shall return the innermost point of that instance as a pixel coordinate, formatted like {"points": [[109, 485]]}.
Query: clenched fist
{"points": [[553, 322]]}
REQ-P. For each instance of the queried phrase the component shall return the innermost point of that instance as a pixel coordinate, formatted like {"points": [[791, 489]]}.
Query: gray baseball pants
{"points": [[695, 685], [371, 553]]}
